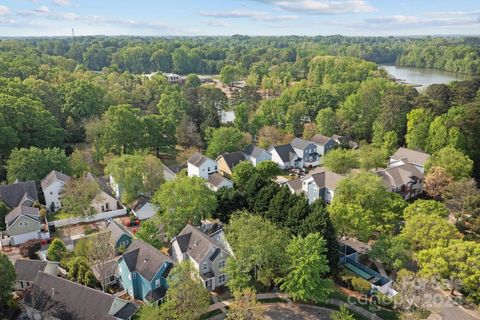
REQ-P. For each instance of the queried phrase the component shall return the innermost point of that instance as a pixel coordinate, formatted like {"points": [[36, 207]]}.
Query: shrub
{"points": [[30, 248], [57, 250], [360, 285]]}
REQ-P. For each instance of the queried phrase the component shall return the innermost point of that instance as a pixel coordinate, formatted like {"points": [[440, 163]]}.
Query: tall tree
{"points": [[418, 123], [8, 280], [436, 182], [81, 99], [326, 122], [455, 162], [341, 160], [225, 139], [78, 195]]}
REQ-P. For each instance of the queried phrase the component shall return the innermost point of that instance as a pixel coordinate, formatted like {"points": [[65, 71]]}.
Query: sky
{"points": [[228, 17]]}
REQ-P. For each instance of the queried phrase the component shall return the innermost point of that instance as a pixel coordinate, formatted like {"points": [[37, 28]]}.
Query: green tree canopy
{"points": [[455, 162], [56, 250], [8, 280], [341, 160], [427, 207], [225, 139]]}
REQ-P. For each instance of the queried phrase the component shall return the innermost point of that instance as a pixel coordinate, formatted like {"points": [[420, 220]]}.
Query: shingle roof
{"points": [[295, 185], [116, 231], [413, 156], [197, 159], [30, 212], [298, 143], [67, 300], [400, 175], [157, 294], [254, 151], [26, 270], [321, 139], [196, 243], [144, 259], [232, 158], [106, 268], [216, 179], [12, 194], [327, 179], [52, 177], [176, 169], [285, 152]]}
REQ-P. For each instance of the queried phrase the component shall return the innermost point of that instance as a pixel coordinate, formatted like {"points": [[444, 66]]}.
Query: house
{"points": [[307, 151], [143, 208], [19, 193], [344, 141], [405, 179], [320, 183], [26, 271], [120, 238], [53, 297], [105, 200], [207, 255], [256, 154], [201, 166], [106, 272], [170, 172], [217, 181], [52, 186], [24, 223], [143, 271], [285, 157], [226, 162], [324, 143], [173, 78], [415, 157]]}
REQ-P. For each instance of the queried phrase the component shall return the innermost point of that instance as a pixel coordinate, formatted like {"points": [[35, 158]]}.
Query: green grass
{"points": [[59, 215], [210, 314]]}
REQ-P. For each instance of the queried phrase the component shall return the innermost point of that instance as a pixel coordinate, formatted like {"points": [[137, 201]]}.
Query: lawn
{"points": [[59, 215]]}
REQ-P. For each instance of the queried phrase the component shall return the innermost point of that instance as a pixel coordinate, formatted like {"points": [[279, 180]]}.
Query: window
{"points": [[221, 263], [208, 169], [157, 283], [134, 275], [205, 266], [51, 192], [107, 206], [221, 278], [103, 208]]}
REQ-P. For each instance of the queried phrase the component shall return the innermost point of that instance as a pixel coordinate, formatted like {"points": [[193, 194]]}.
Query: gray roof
{"points": [[105, 269], [285, 152], [138, 203], [197, 159], [116, 231], [197, 244], [216, 179], [327, 179], [30, 212], [144, 259], [177, 168], [12, 194], [101, 182], [254, 151], [321, 139], [233, 158], [67, 300], [301, 144], [295, 185], [53, 176], [416, 157], [399, 175], [26, 270]]}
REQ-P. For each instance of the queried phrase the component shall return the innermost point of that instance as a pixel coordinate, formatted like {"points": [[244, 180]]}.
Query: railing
{"points": [[87, 219]]}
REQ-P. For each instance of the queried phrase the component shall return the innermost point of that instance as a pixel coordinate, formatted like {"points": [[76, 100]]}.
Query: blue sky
{"points": [[227, 17]]}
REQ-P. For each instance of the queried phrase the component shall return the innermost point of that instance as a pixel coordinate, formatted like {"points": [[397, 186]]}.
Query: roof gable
{"points": [[416, 157], [29, 212], [12, 194], [52, 177], [285, 152], [300, 144], [232, 159], [321, 139], [197, 159]]}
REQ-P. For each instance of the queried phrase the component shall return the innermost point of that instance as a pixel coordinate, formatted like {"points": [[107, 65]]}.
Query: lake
{"points": [[422, 77]]}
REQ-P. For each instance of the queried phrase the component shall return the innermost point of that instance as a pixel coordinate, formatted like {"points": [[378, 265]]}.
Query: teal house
{"points": [[120, 238], [143, 271]]}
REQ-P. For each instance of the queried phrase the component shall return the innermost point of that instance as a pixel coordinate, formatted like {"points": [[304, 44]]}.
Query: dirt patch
{"points": [[294, 312]]}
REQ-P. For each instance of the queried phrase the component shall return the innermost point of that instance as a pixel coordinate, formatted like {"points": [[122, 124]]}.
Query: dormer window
{"points": [[205, 266]]}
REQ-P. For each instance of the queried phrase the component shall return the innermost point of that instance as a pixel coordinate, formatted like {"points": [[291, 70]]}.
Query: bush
{"points": [[383, 300], [360, 285], [30, 248], [57, 250]]}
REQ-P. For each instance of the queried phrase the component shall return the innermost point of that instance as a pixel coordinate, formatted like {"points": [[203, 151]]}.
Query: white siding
{"points": [[52, 194]]}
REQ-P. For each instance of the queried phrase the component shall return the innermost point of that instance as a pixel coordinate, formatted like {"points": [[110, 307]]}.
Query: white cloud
{"points": [[216, 23], [42, 10], [62, 3], [255, 15], [322, 6], [4, 10]]}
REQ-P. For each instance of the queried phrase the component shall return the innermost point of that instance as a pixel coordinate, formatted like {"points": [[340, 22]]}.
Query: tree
{"points": [[394, 251], [8, 280], [185, 154], [30, 248], [243, 307], [427, 207], [149, 232], [35, 164], [152, 174], [188, 134], [159, 133], [296, 116], [229, 200], [341, 160], [81, 99], [342, 314], [427, 231], [230, 74], [79, 271], [161, 60], [267, 169], [371, 157], [241, 120], [436, 182], [418, 123], [242, 173], [78, 195], [225, 139], [390, 142], [184, 200], [57, 250], [305, 280], [265, 260], [193, 81], [78, 164], [460, 260], [362, 205], [270, 135], [326, 121], [455, 162], [309, 130], [3, 212], [186, 296]]}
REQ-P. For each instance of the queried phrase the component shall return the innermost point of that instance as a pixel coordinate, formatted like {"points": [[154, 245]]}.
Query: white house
{"points": [[405, 179], [174, 78], [143, 209], [415, 157], [199, 165], [324, 143], [52, 186], [256, 154], [105, 200], [285, 157], [217, 181]]}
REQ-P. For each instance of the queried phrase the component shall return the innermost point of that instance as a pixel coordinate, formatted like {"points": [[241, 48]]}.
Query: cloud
{"points": [[4, 10], [62, 3], [401, 20], [42, 10], [255, 15], [216, 23], [321, 6]]}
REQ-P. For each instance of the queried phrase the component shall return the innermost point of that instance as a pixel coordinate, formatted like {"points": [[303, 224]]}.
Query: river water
{"points": [[422, 77]]}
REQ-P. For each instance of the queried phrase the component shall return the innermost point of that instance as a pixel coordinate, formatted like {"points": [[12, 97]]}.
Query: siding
{"points": [[31, 226]]}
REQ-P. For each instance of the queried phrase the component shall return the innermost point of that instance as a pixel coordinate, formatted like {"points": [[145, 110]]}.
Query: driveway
{"points": [[448, 311]]}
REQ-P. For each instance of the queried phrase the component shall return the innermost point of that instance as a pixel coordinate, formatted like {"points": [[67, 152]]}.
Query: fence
{"points": [[92, 218]]}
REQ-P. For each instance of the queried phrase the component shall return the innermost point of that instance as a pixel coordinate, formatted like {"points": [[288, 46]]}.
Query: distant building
{"points": [[324, 143], [24, 223], [405, 179], [143, 208], [285, 157], [256, 154], [307, 151], [201, 166], [174, 78], [415, 157], [217, 181]]}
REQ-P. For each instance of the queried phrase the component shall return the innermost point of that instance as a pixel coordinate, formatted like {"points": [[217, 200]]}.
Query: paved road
{"points": [[448, 311]]}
